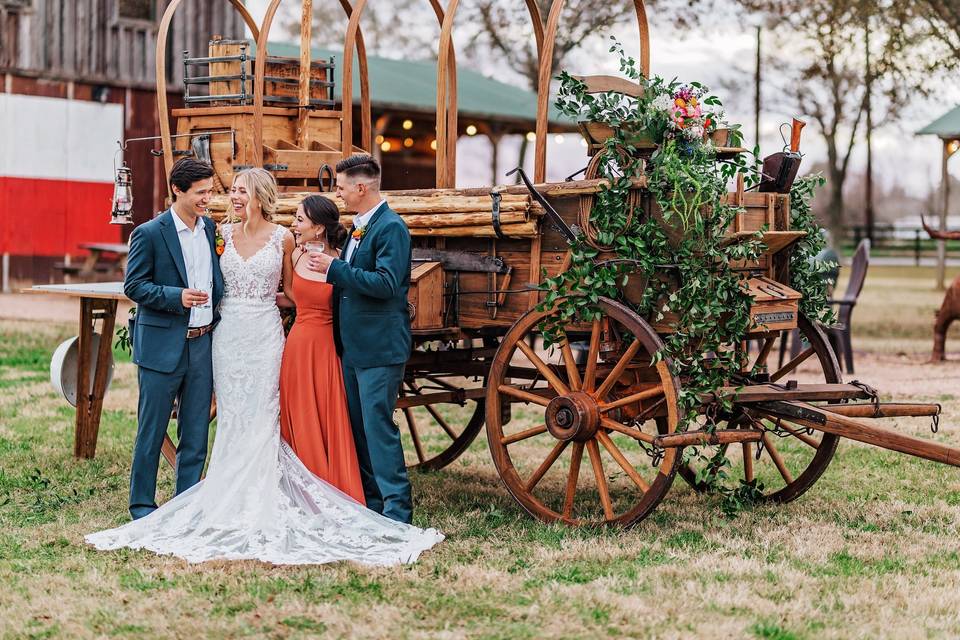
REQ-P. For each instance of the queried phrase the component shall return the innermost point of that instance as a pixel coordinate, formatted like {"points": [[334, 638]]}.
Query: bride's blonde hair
{"points": [[263, 185]]}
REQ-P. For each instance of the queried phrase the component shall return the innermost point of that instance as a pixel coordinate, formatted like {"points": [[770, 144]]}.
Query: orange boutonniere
{"points": [[358, 233], [218, 243]]}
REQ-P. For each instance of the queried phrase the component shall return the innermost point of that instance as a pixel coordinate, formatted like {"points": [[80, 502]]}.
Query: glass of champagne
{"points": [[314, 246]]}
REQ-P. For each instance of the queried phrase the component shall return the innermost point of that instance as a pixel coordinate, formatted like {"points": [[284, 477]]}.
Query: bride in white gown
{"points": [[258, 501]]}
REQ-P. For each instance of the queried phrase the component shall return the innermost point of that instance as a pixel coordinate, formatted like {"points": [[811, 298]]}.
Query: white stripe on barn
{"points": [[58, 139]]}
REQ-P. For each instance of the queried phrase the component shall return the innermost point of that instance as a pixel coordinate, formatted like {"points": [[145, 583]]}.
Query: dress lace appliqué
{"points": [[258, 501]]}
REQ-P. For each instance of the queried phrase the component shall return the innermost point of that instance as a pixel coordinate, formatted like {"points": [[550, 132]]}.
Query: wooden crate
{"points": [[771, 209], [426, 296], [775, 305]]}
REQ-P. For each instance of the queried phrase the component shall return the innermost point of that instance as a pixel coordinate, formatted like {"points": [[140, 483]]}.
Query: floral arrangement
{"points": [[358, 233]]}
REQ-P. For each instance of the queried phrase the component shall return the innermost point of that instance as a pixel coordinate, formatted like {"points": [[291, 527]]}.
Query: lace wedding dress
{"points": [[258, 501]]}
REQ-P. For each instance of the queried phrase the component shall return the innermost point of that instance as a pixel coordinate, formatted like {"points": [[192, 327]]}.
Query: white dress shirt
{"points": [[199, 264], [359, 222]]}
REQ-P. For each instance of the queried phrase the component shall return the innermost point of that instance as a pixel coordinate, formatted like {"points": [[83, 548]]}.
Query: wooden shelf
{"points": [[775, 241]]}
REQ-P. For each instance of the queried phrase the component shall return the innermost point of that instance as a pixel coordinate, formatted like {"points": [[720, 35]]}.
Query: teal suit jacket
{"points": [[156, 276], [371, 320]]}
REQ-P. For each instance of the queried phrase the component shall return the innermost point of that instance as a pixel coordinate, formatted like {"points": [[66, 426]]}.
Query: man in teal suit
{"points": [[372, 324], [174, 277]]}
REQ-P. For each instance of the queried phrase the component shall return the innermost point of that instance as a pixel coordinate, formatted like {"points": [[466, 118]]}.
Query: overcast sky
{"points": [[899, 155]]}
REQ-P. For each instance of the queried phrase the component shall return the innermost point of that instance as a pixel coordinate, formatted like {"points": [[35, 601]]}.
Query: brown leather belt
{"points": [[196, 332]]}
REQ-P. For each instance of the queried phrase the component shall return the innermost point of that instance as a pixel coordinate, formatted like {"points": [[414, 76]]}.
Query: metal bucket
{"points": [[65, 363]]}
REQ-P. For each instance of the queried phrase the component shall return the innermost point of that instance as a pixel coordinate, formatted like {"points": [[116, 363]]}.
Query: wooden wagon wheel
{"points": [[601, 406], [437, 431], [791, 464]]}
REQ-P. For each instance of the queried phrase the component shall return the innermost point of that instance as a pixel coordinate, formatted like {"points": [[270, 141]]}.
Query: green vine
{"points": [[679, 250]]}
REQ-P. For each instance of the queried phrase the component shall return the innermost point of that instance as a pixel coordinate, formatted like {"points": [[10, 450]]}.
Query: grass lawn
{"points": [[871, 551]]}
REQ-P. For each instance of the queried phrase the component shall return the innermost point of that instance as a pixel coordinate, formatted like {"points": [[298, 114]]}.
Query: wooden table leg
{"points": [[90, 401], [169, 451], [89, 265]]}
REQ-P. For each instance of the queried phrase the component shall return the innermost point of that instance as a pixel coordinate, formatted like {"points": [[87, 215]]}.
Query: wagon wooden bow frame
{"points": [[583, 433]]}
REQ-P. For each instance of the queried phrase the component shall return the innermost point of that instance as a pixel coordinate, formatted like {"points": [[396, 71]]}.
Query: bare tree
{"points": [[400, 28], [940, 19]]}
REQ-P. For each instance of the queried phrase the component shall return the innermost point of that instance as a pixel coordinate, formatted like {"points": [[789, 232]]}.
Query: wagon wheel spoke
{"points": [[590, 375], [573, 375], [636, 434], [417, 390], [763, 355], [546, 464], [602, 487], [520, 394], [777, 458], [793, 364], [646, 394], [543, 368], [572, 478], [412, 425], [617, 370], [621, 460], [523, 435], [747, 461]]}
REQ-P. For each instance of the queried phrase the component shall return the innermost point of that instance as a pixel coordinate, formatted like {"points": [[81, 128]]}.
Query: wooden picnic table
{"points": [[103, 257]]}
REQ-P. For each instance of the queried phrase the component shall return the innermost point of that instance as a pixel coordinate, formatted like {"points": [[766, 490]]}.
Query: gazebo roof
{"points": [[411, 85], [946, 126]]}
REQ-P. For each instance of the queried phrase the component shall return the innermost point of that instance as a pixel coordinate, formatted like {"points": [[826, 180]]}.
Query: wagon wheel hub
{"points": [[574, 416]]}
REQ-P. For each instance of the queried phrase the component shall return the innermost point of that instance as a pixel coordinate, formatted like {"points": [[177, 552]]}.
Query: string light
{"points": [[559, 138], [471, 130], [408, 142], [433, 145], [379, 139], [385, 146], [407, 125], [953, 146], [531, 136]]}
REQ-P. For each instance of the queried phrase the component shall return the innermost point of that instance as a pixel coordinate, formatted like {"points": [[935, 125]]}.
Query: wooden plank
{"points": [[808, 392]]}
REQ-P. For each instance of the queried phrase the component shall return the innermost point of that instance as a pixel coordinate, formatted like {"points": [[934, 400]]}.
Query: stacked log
{"points": [[448, 214]]}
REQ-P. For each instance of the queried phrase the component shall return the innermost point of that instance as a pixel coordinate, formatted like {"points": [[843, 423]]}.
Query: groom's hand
{"points": [[319, 262], [193, 297]]}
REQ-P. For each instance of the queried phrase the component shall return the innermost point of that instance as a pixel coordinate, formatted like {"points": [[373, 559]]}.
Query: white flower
{"points": [[663, 102]]}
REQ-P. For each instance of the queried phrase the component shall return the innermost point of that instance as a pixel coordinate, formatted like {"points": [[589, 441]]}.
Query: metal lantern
{"points": [[123, 196]]}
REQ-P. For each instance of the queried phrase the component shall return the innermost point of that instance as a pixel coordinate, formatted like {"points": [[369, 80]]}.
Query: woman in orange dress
{"points": [[314, 419]]}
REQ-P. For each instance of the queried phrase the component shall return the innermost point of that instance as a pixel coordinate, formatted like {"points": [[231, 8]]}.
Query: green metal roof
{"points": [[946, 126], [412, 85]]}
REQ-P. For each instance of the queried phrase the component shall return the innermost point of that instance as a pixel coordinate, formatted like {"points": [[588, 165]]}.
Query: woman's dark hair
{"points": [[323, 212], [187, 171]]}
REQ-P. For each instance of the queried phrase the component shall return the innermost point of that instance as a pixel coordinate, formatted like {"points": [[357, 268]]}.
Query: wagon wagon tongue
{"points": [[793, 405]]}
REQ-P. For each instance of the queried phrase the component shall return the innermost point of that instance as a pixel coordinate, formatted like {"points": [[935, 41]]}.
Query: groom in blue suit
{"points": [[372, 324], [174, 277]]}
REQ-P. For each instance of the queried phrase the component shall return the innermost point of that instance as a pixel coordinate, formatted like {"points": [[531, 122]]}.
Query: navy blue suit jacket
{"points": [[371, 319], [156, 276]]}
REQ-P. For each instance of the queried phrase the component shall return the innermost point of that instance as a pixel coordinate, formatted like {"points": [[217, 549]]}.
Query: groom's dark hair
{"points": [[187, 171], [361, 165]]}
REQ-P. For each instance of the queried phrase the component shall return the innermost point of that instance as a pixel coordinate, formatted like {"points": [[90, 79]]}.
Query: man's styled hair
{"points": [[360, 166], [187, 171]]}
